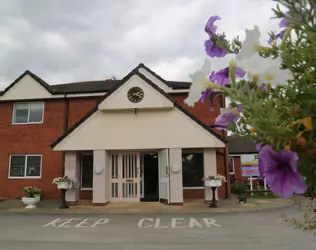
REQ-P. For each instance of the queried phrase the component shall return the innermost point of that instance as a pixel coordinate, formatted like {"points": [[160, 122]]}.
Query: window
{"points": [[87, 171], [193, 168], [231, 165], [24, 113], [25, 166]]}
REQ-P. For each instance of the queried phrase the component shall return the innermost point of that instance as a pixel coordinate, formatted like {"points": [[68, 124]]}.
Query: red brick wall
{"points": [[237, 165], [36, 139], [31, 139]]}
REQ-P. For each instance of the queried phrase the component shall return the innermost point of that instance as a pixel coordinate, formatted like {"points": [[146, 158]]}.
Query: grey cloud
{"points": [[74, 40]]}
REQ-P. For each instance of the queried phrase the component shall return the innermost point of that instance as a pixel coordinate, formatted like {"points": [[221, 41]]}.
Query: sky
{"points": [[79, 40]]}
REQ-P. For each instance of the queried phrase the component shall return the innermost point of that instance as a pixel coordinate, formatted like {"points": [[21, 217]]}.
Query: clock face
{"points": [[135, 94]]}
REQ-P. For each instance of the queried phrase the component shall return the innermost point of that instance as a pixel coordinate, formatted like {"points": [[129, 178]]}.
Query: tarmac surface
{"points": [[257, 230]]}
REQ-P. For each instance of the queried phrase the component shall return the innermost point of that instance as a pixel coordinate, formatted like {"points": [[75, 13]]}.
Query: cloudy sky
{"points": [[77, 40]]}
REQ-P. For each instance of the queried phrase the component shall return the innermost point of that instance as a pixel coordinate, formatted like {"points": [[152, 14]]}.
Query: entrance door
{"points": [[125, 177], [163, 165]]}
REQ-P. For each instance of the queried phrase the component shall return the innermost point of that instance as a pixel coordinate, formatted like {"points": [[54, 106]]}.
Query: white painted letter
{"points": [[210, 222], [66, 222], [194, 223], [53, 223], [157, 224], [100, 222], [175, 221], [80, 224], [141, 222]]}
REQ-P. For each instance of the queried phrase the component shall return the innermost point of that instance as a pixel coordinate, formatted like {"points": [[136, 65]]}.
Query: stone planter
{"points": [[30, 202], [213, 183], [63, 185]]}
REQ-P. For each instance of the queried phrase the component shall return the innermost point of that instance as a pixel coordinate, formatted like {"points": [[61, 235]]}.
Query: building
{"points": [[238, 146], [131, 139]]}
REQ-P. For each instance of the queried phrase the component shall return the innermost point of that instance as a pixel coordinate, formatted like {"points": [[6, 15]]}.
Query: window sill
{"points": [[24, 178], [86, 189], [30, 123], [186, 188]]}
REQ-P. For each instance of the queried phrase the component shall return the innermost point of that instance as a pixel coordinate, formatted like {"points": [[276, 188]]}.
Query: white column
{"points": [[176, 185], [101, 185], [210, 168], [72, 170]]}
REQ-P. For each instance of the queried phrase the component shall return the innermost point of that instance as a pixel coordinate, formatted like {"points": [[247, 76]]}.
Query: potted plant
{"points": [[240, 189], [214, 181], [32, 196], [62, 182]]}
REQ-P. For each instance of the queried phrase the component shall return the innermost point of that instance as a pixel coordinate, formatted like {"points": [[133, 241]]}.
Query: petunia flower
{"points": [[226, 120], [280, 171], [279, 35], [285, 21], [266, 70], [199, 80], [221, 77], [251, 44], [213, 50], [210, 28]]}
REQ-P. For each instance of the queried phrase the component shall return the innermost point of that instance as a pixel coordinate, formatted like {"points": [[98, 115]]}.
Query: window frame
{"points": [[28, 114], [25, 167], [233, 165], [81, 170], [193, 151]]}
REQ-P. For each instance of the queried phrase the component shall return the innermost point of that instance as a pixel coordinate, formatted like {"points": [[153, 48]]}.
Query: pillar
{"points": [[101, 174], [210, 168], [176, 185], [72, 170]]}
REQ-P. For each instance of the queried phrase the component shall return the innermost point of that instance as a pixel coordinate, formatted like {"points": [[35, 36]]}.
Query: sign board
{"points": [[249, 165]]}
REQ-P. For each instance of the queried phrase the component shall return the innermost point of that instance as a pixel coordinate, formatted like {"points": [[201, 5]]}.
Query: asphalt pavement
{"points": [[260, 230]]}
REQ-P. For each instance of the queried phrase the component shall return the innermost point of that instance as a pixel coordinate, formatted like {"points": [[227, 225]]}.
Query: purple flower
{"points": [[210, 28], [263, 87], [280, 171], [284, 21], [226, 119], [221, 77], [213, 50], [205, 95], [259, 146], [279, 35]]}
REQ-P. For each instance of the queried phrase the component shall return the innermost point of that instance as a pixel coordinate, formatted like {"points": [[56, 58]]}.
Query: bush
{"points": [[239, 188]]}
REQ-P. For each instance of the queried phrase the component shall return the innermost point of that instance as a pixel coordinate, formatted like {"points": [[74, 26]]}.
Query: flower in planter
{"points": [[217, 177], [59, 180], [31, 192]]}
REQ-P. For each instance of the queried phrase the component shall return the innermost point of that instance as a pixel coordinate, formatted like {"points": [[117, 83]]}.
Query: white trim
{"points": [[25, 167], [233, 163], [28, 114], [193, 188]]}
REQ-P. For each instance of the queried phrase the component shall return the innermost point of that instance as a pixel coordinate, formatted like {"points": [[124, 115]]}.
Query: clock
{"points": [[135, 94]]}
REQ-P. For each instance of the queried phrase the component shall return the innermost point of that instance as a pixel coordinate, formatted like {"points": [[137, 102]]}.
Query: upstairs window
{"points": [[28, 113]]}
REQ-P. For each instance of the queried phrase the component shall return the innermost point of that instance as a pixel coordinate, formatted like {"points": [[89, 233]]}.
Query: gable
{"points": [[154, 97], [152, 76], [26, 87], [149, 129]]}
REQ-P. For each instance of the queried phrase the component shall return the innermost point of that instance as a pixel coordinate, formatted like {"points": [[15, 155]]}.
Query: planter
{"points": [[30, 202], [213, 183], [63, 185], [242, 199]]}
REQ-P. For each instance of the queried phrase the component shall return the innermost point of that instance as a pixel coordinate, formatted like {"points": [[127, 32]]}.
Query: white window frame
{"points": [[25, 167], [28, 115], [81, 169], [233, 164]]}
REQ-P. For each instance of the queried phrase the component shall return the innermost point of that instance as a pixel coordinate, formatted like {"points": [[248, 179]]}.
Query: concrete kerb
{"points": [[154, 212]]}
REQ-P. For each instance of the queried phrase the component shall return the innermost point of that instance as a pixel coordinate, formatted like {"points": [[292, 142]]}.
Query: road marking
{"points": [[177, 223], [77, 222]]}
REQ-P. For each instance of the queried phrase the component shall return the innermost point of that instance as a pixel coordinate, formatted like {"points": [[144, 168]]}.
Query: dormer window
{"points": [[28, 113]]}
